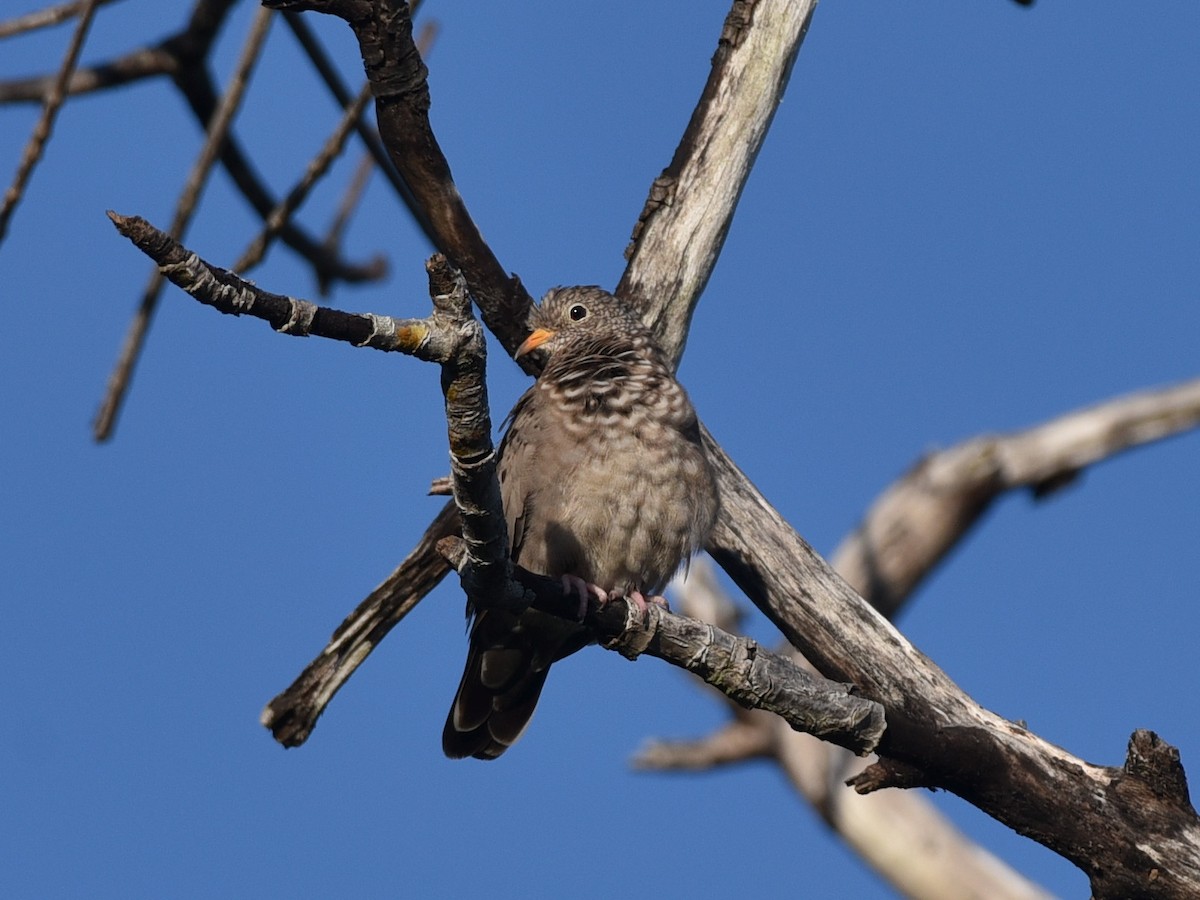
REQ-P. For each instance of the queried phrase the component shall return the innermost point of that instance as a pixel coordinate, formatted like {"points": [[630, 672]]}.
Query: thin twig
{"points": [[367, 133], [118, 382], [319, 165], [49, 16], [349, 202], [45, 124]]}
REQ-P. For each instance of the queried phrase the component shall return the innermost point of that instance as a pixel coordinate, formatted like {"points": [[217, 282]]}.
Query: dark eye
{"points": [[577, 312]]}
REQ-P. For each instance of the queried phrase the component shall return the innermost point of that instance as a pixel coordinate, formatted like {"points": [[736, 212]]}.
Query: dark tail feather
{"points": [[498, 693]]}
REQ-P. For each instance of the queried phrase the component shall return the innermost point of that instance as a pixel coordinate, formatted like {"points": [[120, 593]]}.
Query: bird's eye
{"points": [[577, 312]]}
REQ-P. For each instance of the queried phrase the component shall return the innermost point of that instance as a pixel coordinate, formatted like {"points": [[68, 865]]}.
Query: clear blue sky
{"points": [[969, 217]]}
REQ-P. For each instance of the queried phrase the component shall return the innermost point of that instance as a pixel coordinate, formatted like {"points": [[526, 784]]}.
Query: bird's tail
{"points": [[507, 665]]}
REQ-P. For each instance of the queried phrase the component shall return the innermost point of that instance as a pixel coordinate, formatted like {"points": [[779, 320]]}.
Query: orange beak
{"points": [[536, 339]]}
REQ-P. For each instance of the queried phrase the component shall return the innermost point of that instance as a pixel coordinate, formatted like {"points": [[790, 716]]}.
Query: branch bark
{"points": [[916, 521], [738, 667], [681, 230]]}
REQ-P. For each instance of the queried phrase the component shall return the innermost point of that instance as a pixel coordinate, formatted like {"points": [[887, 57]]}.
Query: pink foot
{"points": [[643, 603], [573, 584]]}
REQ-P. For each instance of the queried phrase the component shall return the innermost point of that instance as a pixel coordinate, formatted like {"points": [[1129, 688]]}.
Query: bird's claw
{"points": [[642, 602], [573, 584]]}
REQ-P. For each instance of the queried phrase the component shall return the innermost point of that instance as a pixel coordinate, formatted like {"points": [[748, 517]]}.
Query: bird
{"points": [[605, 485]]}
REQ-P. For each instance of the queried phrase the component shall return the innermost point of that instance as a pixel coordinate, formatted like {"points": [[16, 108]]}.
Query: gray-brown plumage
{"points": [[603, 479]]}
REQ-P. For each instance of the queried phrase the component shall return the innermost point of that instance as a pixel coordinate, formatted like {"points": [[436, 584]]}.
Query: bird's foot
{"points": [[642, 602], [573, 584]]}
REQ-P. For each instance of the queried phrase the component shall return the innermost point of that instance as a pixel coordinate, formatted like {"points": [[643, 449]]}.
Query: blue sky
{"points": [[968, 217]]}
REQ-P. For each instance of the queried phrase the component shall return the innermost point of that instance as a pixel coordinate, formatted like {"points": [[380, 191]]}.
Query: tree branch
{"points": [[907, 532], [681, 230], [365, 131], [917, 520], [900, 834], [384, 30], [45, 124], [738, 667], [229, 294], [1035, 788]]}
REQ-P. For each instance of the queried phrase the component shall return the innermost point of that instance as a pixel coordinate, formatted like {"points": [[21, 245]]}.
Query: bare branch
{"points": [[682, 227], [906, 533], [319, 165], [738, 667], [935, 728], [48, 16], [384, 31], [45, 124], [229, 294], [218, 129], [184, 56], [900, 834], [292, 714], [186, 49], [916, 521]]}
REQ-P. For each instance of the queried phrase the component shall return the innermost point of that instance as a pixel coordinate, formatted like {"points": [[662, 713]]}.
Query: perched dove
{"points": [[605, 484]]}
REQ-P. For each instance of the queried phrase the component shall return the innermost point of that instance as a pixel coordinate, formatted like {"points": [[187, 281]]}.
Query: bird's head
{"points": [[573, 315]]}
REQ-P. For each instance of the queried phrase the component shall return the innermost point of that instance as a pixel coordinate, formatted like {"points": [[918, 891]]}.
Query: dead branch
{"points": [[50, 107], [48, 17], [900, 834], [743, 671], [918, 519], [229, 294], [279, 216], [682, 227], [906, 533]]}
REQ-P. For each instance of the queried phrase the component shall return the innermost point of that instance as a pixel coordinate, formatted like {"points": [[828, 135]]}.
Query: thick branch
{"points": [[682, 227], [1030, 785], [900, 834], [398, 78], [293, 713], [907, 532], [917, 520]]}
